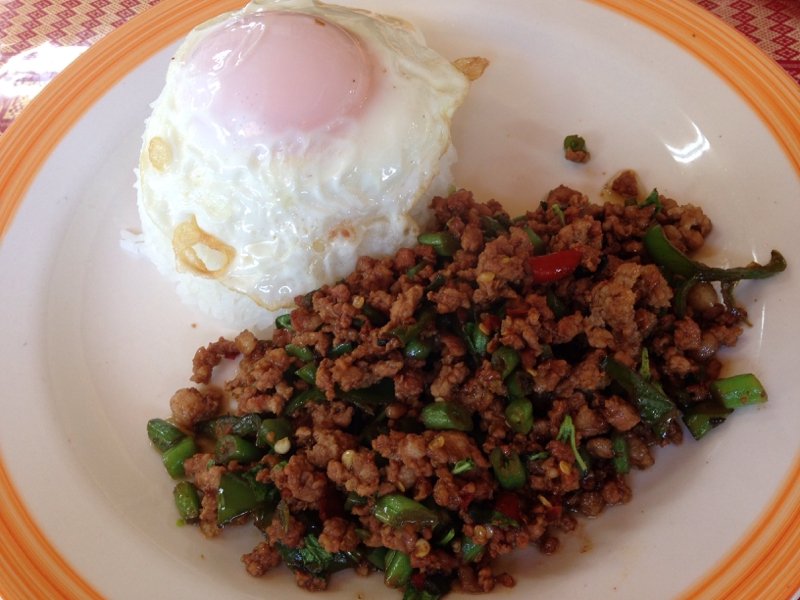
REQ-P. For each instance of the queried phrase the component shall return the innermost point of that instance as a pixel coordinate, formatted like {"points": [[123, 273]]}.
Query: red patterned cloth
{"points": [[38, 38]]}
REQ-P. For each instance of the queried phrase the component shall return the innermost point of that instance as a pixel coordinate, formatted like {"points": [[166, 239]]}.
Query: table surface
{"points": [[38, 38]]}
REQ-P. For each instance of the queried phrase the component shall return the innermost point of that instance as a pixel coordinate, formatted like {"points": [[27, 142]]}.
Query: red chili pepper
{"points": [[508, 504], [554, 266], [418, 579]]}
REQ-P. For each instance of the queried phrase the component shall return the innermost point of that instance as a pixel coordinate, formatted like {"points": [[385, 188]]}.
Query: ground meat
{"points": [[517, 369]]}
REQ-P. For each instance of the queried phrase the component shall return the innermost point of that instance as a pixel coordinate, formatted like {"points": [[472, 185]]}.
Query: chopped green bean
{"points": [[304, 353], [284, 322], [438, 280], [397, 510], [397, 569], [377, 557], [504, 360], [703, 417], [492, 227], [446, 415], [187, 501], [299, 401], [574, 142], [508, 469], [621, 459], [465, 464], [739, 390], [353, 500], [519, 415], [519, 384], [412, 332], [375, 317], [235, 497], [246, 425], [174, 456], [443, 242], [163, 434]]}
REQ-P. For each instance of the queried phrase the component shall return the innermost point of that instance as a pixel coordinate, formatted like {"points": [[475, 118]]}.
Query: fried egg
{"points": [[290, 138]]}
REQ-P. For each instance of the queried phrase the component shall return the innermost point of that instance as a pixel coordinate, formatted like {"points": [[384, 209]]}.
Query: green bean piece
{"points": [[437, 281], [163, 434], [575, 143], [374, 395], [470, 551], [217, 427], [375, 317], [235, 497], [354, 500], [519, 384], [417, 349], [232, 447], [411, 332], [308, 373], [566, 433], [272, 431], [664, 254], [377, 557], [739, 390], [703, 417], [299, 401], [519, 415], [416, 269], [554, 304], [492, 227], [187, 501], [397, 510], [539, 247], [304, 353], [504, 360], [475, 338], [340, 349], [621, 459], [284, 322], [463, 465], [446, 415], [246, 425], [443, 242], [174, 456], [654, 407], [397, 569], [508, 469]]}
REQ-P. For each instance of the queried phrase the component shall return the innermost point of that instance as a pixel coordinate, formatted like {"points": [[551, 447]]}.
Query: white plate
{"points": [[95, 341]]}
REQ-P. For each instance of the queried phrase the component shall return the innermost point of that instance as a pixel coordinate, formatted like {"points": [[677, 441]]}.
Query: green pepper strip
{"points": [[174, 456], [703, 417], [417, 349], [313, 394], [622, 459], [567, 433], [397, 569], [187, 501], [232, 447], [519, 415], [443, 242], [664, 254], [163, 434], [654, 407], [273, 430], [504, 360], [739, 390], [437, 281], [446, 415], [397, 510], [374, 395], [411, 332], [304, 353], [246, 425], [554, 304], [235, 497], [340, 349], [508, 469]]}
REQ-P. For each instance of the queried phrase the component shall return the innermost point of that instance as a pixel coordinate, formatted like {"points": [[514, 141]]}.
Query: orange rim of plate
{"points": [[762, 564]]}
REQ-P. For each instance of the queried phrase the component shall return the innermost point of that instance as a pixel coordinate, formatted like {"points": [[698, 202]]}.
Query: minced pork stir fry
{"points": [[466, 397]]}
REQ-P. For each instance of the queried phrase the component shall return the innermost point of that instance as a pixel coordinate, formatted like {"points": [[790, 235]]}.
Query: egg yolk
{"points": [[278, 72]]}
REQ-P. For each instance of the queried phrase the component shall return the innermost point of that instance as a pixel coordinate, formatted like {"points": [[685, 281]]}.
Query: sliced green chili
{"points": [[652, 199], [163, 434], [308, 373], [508, 469], [519, 384], [174, 456], [187, 501], [397, 569], [397, 510], [235, 497], [462, 465], [304, 353], [559, 213], [519, 415], [739, 390], [446, 415], [444, 243], [411, 332], [374, 395], [340, 349]]}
